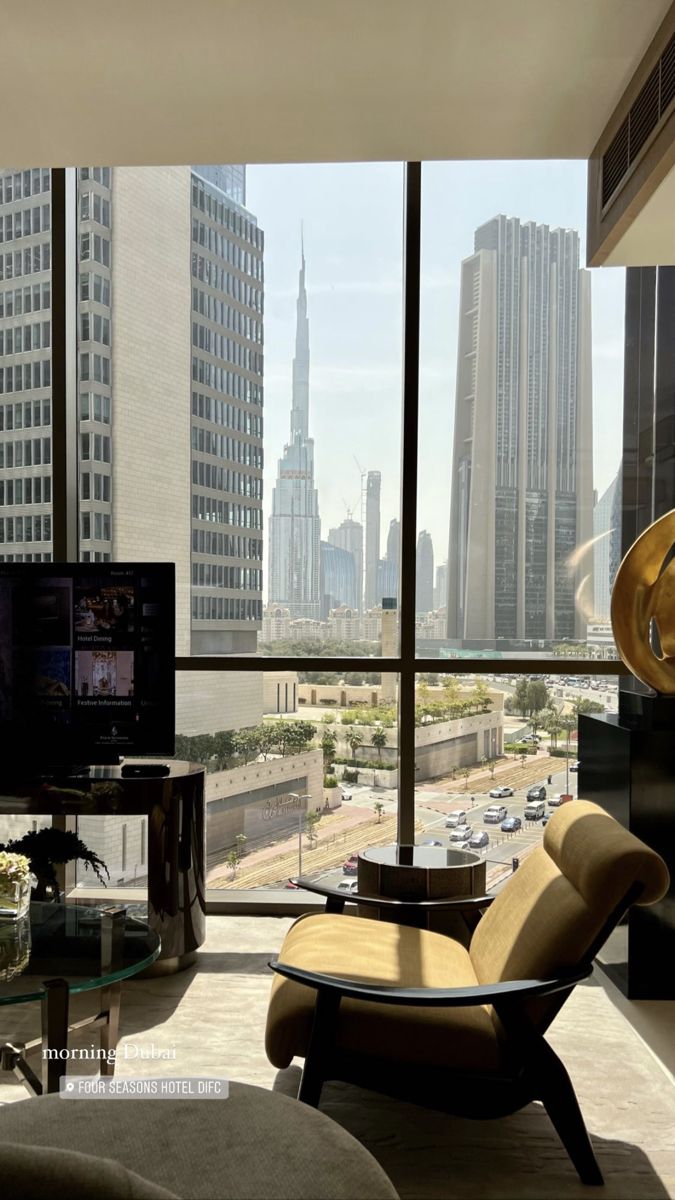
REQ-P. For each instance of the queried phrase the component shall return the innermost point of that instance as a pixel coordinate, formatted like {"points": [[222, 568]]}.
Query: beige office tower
{"points": [[169, 312], [522, 483]]}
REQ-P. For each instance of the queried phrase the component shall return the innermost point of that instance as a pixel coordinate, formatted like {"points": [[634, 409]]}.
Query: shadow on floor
{"points": [[429, 1155]]}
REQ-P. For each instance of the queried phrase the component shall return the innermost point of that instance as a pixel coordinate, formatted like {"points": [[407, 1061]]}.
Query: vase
{"points": [[15, 945], [15, 897]]}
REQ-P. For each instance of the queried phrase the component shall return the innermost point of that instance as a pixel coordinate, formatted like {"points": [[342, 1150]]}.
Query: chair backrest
{"points": [[565, 894]]}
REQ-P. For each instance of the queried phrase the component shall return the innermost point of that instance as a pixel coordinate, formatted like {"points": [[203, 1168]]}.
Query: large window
{"points": [[247, 352]]}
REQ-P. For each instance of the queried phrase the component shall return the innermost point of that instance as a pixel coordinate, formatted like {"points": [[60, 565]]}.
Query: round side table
{"points": [[421, 873]]}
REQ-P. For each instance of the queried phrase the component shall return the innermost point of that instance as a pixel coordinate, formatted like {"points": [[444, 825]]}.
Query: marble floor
{"points": [[210, 1019]]}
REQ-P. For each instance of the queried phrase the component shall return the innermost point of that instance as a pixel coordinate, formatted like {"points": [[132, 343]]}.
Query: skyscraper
{"points": [[424, 578], [295, 525], [373, 485], [441, 586], [349, 536], [338, 579], [522, 490], [604, 541], [179, 229]]}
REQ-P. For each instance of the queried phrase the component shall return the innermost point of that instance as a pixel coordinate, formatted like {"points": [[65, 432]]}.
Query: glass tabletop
{"points": [[64, 941], [420, 856]]}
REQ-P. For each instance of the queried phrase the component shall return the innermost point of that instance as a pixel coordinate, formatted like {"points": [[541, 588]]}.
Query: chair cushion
{"points": [[618, 860], [549, 913], [33, 1172], [380, 952]]}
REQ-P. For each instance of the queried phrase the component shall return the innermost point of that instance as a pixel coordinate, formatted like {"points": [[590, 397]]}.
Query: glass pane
{"points": [[495, 756], [307, 788], [223, 375], [522, 379], [25, 366]]}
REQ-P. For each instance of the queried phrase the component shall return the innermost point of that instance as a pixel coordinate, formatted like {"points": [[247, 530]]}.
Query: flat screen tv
{"points": [[86, 663]]}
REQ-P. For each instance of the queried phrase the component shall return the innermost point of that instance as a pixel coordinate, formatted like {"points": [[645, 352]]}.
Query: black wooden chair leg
{"points": [[311, 1085], [562, 1106], [324, 1030]]}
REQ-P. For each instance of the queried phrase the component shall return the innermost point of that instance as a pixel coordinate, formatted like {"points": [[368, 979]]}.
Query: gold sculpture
{"points": [[644, 591]]}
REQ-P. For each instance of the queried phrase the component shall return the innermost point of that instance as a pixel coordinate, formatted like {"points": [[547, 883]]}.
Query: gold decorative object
{"points": [[644, 591]]}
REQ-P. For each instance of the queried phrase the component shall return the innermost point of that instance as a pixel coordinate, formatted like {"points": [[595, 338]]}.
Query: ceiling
{"points": [[172, 81], [649, 239]]}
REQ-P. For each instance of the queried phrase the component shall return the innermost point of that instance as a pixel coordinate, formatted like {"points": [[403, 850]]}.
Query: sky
{"points": [[351, 217]]}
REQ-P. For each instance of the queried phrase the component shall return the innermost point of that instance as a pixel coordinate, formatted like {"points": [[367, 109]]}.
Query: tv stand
{"points": [[174, 805]]}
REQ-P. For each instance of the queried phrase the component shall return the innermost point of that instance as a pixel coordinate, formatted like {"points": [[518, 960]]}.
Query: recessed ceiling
{"points": [[184, 81]]}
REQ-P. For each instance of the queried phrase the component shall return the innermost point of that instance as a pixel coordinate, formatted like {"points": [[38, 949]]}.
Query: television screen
{"points": [[86, 662]]}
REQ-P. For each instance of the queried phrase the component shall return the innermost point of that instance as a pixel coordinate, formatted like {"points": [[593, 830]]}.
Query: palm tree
{"points": [[379, 809], [240, 840], [354, 740], [232, 860], [465, 772], [379, 741], [491, 764]]}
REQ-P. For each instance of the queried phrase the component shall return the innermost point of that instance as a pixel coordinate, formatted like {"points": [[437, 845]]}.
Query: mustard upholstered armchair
{"points": [[415, 1014]]}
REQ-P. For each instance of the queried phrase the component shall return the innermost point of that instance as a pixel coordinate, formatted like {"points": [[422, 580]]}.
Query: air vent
{"points": [[646, 112]]}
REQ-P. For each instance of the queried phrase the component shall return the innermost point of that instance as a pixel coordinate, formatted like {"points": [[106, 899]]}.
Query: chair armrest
{"points": [[489, 993], [332, 895]]}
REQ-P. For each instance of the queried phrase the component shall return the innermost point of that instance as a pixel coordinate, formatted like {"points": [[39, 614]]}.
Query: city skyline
{"points": [[352, 230]]}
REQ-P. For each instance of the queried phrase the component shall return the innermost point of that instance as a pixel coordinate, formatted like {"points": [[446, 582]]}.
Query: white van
{"points": [[535, 810]]}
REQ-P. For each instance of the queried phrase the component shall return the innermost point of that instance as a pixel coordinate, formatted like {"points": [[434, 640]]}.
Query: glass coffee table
{"points": [[56, 951]]}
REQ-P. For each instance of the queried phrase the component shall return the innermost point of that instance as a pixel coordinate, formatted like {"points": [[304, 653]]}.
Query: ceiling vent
{"points": [[647, 112]]}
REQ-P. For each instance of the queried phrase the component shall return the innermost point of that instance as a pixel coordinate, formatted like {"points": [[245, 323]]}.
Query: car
{"points": [[479, 840], [531, 737], [461, 834], [351, 866], [346, 795], [511, 825], [431, 842], [574, 766], [455, 819], [498, 793], [555, 801], [494, 815], [538, 792], [347, 885], [534, 810]]}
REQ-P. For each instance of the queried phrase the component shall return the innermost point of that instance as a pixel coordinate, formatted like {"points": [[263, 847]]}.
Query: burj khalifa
{"points": [[295, 525]]}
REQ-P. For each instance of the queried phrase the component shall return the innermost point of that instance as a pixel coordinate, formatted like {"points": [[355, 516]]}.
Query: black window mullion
{"points": [[64, 366], [409, 446]]}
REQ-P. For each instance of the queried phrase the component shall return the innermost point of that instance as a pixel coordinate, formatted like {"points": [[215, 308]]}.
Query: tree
{"points": [[328, 745], [451, 691], [583, 704], [537, 695], [224, 748], [551, 723], [354, 740], [465, 772], [491, 764], [232, 860], [378, 807], [423, 692], [240, 839], [379, 741], [311, 821], [520, 697], [536, 721], [480, 696]]}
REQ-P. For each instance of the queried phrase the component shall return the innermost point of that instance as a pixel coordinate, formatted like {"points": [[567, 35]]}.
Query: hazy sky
{"points": [[352, 215]]}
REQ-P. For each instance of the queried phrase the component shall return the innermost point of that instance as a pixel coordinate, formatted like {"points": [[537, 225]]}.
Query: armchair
{"points": [[414, 1014]]}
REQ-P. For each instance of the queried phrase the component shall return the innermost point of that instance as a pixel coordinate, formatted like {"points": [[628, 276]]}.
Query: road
{"points": [[502, 848]]}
